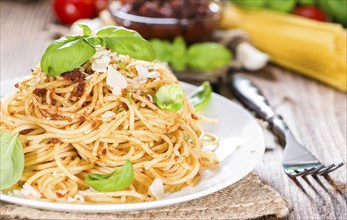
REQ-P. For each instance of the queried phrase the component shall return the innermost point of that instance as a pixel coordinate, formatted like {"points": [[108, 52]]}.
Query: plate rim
{"points": [[112, 208]]}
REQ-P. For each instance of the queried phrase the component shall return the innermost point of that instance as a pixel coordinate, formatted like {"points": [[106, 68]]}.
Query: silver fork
{"points": [[297, 160]]}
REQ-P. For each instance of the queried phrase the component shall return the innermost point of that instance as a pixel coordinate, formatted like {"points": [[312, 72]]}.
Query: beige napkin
{"points": [[248, 198]]}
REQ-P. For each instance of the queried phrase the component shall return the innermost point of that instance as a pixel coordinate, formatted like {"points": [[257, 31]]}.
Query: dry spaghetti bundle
{"points": [[87, 121], [313, 48]]}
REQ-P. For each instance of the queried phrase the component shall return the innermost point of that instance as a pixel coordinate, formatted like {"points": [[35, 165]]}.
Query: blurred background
{"points": [[199, 39]]}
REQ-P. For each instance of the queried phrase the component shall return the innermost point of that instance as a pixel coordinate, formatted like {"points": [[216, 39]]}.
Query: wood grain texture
{"points": [[317, 116], [24, 35], [315, 113]]}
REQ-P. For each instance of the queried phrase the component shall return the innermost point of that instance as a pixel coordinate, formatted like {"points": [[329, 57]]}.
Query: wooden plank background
{"points": [[315, 112]]}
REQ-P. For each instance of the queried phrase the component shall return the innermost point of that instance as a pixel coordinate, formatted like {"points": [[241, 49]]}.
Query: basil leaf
{"points": [[12, 160], [283, 5], [85, 28], [179, 54], [208, 56], [201, 97], [170, 98], [306, 2], [118, 180], [129, 42], [96, 41], [250, 3], [65, 54], [163, 49]]}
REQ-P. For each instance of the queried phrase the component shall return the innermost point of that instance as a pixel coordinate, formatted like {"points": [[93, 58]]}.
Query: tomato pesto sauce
{"points": [[168, 8], [191, 19]]}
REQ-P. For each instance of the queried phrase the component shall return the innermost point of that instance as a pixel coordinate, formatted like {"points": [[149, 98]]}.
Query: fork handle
{"points": [[252, 98]]}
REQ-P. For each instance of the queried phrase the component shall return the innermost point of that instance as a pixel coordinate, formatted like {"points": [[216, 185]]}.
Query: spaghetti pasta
{"points": [[313, 48], [76, 124]]}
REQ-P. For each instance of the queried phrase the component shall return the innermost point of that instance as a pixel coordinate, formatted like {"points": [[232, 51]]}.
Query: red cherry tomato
{"points": [[69, 11], [310, 12]]}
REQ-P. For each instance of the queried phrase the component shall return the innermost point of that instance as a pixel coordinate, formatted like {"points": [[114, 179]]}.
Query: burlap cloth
{"points": [[248, 198]]}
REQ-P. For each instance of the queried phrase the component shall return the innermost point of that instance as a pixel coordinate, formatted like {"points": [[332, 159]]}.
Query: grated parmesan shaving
{"points": [[157, 188], [108, 114], [77, 197], [100, 60], [153, 74], [30, 191], [116, 80], [80, 197], [70, 199], [143, 73]]}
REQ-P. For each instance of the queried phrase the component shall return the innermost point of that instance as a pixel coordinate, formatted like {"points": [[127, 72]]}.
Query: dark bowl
{"points": [[192, 30]]}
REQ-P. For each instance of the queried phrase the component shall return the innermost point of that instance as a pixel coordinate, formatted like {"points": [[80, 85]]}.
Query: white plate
{"points": [[235, 125]]}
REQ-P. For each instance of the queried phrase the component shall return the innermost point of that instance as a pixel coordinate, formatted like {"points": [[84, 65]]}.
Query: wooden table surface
{"points": [[315, 113]]}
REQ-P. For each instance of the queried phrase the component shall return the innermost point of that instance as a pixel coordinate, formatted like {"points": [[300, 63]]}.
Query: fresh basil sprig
{"points": [[92, 40], [12, 160], [174, 53], [118, 180], [163, 49], [66, 54], [69, 52], [86, 30], [208, 56], [199, 56], [179, 54], [129, 42], [201, 97], [170, 98]]}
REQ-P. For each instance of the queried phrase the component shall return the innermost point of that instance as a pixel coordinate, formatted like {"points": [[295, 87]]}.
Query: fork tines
{"points": [[328, 169], [315, 170]]}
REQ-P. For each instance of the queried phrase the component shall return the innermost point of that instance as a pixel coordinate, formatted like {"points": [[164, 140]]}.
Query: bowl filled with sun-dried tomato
{"points": [[194, 20]]}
